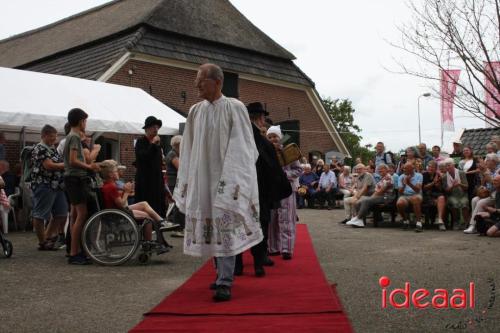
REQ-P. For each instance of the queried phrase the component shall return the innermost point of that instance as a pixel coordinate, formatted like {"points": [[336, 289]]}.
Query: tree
{"points": [[342, 114], [458, 34]]}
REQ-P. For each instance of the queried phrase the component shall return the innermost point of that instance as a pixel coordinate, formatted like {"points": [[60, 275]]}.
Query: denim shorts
{"points": [[48, 202]]}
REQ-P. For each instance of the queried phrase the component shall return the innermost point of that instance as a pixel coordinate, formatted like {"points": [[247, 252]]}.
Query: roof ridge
{"points": [[53, 24]]}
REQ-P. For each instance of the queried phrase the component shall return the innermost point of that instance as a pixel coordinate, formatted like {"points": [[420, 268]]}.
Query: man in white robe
{"points": [[217, 181]]}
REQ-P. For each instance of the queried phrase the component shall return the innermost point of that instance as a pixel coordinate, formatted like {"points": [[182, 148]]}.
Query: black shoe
{"points": [[268, 262], [287, 256], [344, 221], [238, 271], [259, 271], [222, 294], [78, 260]]}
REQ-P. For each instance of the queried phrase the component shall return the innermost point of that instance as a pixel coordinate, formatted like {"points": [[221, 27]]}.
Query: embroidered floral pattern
{"points": [[222, 184]]}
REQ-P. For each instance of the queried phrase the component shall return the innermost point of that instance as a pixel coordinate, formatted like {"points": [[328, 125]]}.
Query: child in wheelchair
{"points": [[112, 198]]}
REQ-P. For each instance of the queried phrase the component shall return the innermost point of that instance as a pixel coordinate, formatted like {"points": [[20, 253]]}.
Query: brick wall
{"points": [[168, 83]]}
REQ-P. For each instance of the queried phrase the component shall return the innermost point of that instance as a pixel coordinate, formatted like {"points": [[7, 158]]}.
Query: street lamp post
{"points": [[418, 109]]}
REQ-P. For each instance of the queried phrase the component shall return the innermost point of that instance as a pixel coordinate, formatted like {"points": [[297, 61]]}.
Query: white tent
{"points": [[29, 100]]}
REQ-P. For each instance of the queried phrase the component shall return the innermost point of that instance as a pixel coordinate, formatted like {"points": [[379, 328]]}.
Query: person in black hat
{"points": [[273, 186], [149, 185]]}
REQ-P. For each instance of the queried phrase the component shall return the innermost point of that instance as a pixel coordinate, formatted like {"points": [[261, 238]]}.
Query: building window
{"points": [[109, 149], [230, 87], [291, 131]]}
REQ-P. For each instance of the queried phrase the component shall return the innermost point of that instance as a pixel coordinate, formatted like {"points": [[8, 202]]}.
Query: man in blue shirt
{"points": [[410, 193], [327, 187]]}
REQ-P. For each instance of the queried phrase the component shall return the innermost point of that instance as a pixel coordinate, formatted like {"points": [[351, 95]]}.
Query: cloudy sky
{"points": [[341, 45]]}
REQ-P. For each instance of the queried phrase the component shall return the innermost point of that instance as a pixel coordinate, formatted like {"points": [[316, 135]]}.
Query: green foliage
{"points": [[342, 114]]}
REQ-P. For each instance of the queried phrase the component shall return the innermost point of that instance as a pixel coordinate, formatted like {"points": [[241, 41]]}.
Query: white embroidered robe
{"points": [[217, 181]]}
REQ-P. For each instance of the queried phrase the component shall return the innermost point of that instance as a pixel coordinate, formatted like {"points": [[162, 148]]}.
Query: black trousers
{"points": [[259, 251]]}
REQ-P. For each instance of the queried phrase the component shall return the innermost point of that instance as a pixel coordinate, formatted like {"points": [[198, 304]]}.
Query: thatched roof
{"points": [[210, 20]]}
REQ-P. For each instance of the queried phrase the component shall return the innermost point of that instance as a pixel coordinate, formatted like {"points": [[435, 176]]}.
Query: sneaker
{"points": [[165, 225], [406, 225], [350, 222], [178, 234], [441, 226], [222, 293], [357, 223], [344, 221], [418, 227], [470, 230], [78, 260]]}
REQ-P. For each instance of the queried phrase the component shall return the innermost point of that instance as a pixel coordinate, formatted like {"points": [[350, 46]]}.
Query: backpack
{"points": [[26, 163]]}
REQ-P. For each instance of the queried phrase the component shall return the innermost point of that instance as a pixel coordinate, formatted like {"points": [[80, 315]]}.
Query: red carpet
{"points": [[294, 296]]}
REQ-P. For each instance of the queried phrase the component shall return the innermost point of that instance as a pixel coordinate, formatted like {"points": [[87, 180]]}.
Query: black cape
{"points": [[273, 183], [149, 185]]}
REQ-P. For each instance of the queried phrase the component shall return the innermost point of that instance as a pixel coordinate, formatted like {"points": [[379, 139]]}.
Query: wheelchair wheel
{"points": [[7, 248], [110, 237]]}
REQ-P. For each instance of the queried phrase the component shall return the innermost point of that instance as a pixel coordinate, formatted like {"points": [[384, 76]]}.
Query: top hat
{"points": [[256, 107], [151, 121]]}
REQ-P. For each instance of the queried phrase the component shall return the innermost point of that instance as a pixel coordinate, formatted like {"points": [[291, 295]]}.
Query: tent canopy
{"points": [[31, 100]]}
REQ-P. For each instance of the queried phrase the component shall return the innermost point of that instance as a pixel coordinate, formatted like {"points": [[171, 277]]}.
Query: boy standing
{"points": [[76, 181]]}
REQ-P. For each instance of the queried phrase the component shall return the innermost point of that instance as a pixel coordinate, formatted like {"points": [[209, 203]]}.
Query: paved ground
{"points": [[40, 292]]}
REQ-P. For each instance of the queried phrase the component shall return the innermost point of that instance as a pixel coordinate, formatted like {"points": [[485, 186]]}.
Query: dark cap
{"points": [[151, 121], [256, 107]]}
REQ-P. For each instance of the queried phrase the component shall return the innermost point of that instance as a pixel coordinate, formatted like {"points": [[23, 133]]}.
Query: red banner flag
{"points": [[449, 79], [492, 93]]}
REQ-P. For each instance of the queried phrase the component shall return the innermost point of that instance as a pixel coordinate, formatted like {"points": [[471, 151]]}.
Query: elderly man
{"points": [[424, 155], [327, 187], [363, 189], [381, 156], [217, 179], [457, 153], [454, 183], [410, 191], [488, 170], [493, 212], [308, 179], [383, 195]]}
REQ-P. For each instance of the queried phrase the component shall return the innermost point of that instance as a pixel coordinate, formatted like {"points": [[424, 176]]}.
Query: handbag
{"points": [[289, 154]]}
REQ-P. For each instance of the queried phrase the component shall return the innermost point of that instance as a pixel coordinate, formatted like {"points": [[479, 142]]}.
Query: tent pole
{"points": [[22, 138], [119, 148]]}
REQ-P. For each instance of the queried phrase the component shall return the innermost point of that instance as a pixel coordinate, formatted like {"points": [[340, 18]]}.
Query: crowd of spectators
{"points": [[457, 190]]}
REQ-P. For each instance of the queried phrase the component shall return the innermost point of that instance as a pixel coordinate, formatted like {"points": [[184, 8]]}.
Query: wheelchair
{"points": [[6, 245], [113, 236]]}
